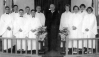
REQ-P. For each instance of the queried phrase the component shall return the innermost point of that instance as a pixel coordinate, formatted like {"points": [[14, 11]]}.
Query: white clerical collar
{"points": [[53, 11]]}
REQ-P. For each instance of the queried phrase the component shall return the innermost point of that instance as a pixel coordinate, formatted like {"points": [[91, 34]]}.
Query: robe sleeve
{"points": [[43, 21], [3, 26], [61, 21], [94, 25]]}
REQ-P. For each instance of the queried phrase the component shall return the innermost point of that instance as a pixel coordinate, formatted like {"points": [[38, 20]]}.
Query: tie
{"points": [[21, 16]]}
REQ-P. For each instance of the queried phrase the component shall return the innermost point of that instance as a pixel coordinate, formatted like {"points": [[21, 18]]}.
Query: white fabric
{"points": [[41, 16], [6, 21], [74, 34], [19, 23], [35, 24], [90, 23], [66, 22]]}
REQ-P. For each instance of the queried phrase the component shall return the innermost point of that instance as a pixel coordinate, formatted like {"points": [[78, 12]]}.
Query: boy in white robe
{"points": [[6, 27], [40, 15], [19, 30], [89, 27], [34, 25]]}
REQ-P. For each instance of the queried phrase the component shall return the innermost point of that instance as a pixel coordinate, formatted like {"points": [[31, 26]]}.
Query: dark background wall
{"points": [[58, 3]]}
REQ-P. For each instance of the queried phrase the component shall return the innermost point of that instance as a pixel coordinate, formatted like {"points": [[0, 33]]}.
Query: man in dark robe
{"points": [[52, 23]]}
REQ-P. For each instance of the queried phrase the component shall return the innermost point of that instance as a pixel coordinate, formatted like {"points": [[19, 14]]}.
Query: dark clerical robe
{"points": [[52, 23]]}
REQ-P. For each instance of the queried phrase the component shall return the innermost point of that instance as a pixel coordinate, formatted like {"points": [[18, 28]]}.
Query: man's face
{"points": [[7, 10], [38, 9], [27, 10], [33, 13], [82, 8], [15, 8], [89, 11], [52, 7], [67, 8], [76, 9], [21, 13]]}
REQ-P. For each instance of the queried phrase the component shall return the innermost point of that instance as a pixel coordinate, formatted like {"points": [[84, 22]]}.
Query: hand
{"points": [[74, 28], [87, 30], [9, 28], [20, 30], [33, 30]]}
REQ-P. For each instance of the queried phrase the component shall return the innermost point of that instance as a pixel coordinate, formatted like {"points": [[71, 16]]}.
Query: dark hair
{"points": [[82, 5], [89, 8], [21, 10], [27, 7], [7, 7], [15, 6], [33, 10], [67, 5], [75, 6]]}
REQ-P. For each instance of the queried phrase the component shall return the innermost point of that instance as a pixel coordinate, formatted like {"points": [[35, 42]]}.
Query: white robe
{"points": [[66, 22], [35, 24], [74, 34], [19, 23], [90, 23], [41, 16], [6, 21]]}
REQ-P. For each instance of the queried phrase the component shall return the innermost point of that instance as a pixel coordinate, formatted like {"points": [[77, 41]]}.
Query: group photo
{"points": [[53, 29]]}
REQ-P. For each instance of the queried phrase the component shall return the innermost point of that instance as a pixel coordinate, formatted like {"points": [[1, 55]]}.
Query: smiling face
{"points": [[7, 10], [15, 8], [76, 9], [21, 13], [27, 10], [89, 11], [33, 13]]}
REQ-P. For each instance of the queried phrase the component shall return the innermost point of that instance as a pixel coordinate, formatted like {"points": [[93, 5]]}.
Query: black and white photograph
{"points": [[49, 28]]}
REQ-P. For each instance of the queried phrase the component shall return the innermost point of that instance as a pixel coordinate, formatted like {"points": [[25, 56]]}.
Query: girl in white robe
{"points": [[89, 27], [76, 25], [65, 21]]}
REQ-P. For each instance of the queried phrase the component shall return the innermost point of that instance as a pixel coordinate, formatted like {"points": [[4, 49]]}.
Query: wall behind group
{"points": [[79, 2], [23, 3]]}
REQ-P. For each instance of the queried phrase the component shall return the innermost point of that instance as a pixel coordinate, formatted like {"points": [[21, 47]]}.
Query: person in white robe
{"points": [[40, 15], [14, 15], [6, 27], [34, 26], [89, 27], [19, 30], [65, 20], [76, 25], [83, 10], [27, 16]]}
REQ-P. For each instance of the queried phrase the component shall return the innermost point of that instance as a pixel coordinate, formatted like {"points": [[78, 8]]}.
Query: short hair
{"points": [[21, 10], [89, 8], [15, 6], [27, 7], [33, 10], [82, 5], [75, 6], [7, 7]]}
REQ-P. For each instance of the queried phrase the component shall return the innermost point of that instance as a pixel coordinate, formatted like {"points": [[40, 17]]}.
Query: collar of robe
{"points": [[33, 16]]}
